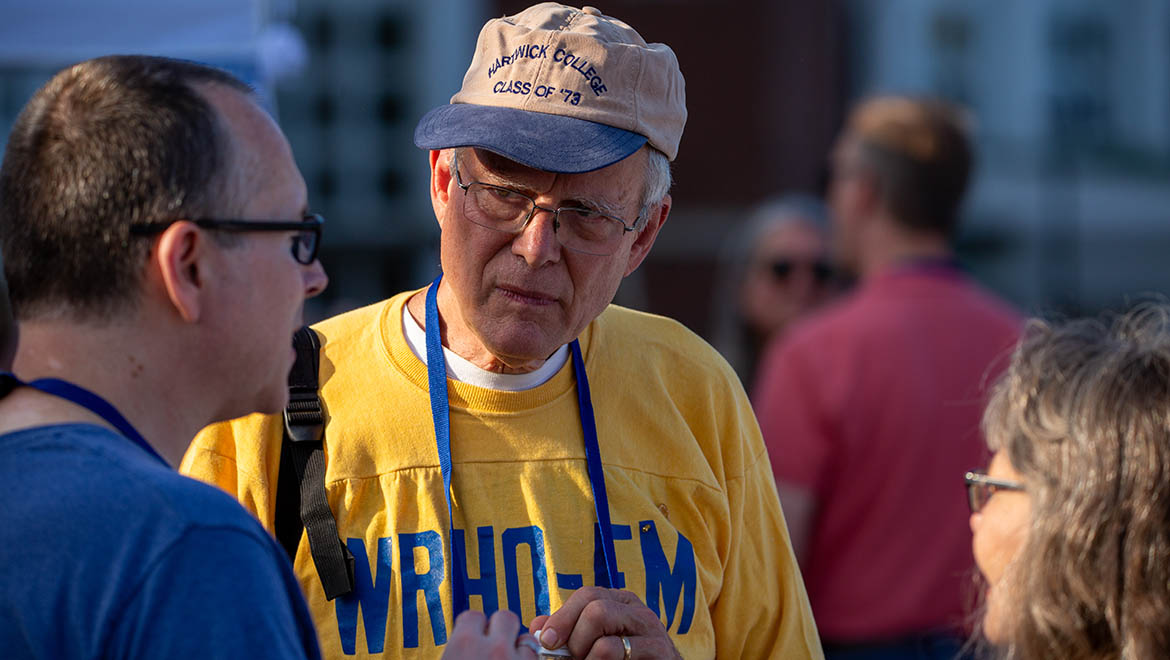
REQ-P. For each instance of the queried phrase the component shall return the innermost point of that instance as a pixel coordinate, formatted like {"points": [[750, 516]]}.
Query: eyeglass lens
{"points": [[580, 229], [977, 496], [304, 246], [980, 489]]}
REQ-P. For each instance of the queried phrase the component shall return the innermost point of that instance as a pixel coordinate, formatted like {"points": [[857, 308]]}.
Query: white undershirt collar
{"points": [[464, 371]]}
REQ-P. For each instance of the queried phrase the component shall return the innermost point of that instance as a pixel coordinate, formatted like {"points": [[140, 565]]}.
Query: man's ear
{"points": [[440, 182], [180, 258], [645, 240]]}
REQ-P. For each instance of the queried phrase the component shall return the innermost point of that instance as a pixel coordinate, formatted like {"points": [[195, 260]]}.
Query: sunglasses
{"points": [[782, 269]]}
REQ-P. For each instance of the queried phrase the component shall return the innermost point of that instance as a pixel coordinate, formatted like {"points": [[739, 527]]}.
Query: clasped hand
{"points": [[605, 624]]}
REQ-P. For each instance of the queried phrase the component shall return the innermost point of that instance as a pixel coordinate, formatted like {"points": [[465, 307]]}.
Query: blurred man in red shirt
{"points": [[871, 408]]}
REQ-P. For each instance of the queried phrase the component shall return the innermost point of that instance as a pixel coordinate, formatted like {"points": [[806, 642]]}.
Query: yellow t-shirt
{"points": [[697, 525]]}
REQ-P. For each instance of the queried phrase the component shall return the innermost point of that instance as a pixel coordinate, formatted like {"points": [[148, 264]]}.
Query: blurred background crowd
{"points": [[1070, 102]]}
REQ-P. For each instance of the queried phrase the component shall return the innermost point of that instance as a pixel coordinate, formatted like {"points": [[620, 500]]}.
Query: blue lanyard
{"points": [[84, 398], [441, 413]]}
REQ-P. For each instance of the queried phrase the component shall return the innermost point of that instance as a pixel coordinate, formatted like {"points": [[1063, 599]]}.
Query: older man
{"points": [[146, 259], [507, 438]]}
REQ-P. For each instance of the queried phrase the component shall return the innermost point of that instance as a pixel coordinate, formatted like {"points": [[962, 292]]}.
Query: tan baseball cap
{"points": [[562, 89]]}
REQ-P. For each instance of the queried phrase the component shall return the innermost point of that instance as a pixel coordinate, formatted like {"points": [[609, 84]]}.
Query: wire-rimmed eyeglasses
{"points": [[305, 242], [505, 210], [981, 487]]}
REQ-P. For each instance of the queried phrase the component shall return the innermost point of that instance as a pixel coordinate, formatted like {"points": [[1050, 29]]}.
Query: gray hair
{"points": [[779, 210], [1083, 414], [657, 184]]}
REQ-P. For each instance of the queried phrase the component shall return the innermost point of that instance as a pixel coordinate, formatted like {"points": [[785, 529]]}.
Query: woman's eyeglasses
{"points": [[981, 487]]}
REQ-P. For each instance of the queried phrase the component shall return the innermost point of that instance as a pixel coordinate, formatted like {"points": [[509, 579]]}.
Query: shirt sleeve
{"points": [[217, 593], [790, 411], [763, 609]]}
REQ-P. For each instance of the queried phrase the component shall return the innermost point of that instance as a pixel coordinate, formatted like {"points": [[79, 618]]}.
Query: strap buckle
{"points": [[303, 418]]}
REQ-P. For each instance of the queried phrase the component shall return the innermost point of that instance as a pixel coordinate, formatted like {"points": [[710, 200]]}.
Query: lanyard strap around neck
{"points": [[86, 399], [441, 414], [941, 265], [593, 466]]}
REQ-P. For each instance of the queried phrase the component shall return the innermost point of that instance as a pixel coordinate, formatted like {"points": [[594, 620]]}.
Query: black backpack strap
{"points": [[300, 488], [8, 382]]}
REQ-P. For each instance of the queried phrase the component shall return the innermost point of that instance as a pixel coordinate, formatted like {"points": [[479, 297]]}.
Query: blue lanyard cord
{"points": [[593, 465], [88, 400], [441, 414]]}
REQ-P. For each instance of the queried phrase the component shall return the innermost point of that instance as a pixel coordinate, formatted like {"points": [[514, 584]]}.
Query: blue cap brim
{"points": [[551, 143]]}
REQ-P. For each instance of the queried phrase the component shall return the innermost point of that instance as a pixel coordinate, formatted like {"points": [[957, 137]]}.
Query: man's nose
{"points": [[537, 243], [315, 278]]}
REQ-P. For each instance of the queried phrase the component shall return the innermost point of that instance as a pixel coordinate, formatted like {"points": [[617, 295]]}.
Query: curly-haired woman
{"points": [[1071, 521]]}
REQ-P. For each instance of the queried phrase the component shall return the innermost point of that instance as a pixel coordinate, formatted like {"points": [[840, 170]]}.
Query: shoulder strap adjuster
{"points": [[302, 507]]}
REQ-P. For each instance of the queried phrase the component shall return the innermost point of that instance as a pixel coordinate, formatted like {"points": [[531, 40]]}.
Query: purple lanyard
{"points": [[441, 414], [930, 265]]}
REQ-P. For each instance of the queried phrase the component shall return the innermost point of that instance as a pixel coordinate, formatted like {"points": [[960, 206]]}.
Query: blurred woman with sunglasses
{"points": [[1071, 521], [773, 271]]}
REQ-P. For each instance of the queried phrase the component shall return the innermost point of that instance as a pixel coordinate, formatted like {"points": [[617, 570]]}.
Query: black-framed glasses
{"points": [[782, 268], [505, 210], [981, 487], [305, 242]]}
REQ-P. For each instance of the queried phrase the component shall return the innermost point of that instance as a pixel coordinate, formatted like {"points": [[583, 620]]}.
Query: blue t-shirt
{"points": [[105, 552]]}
